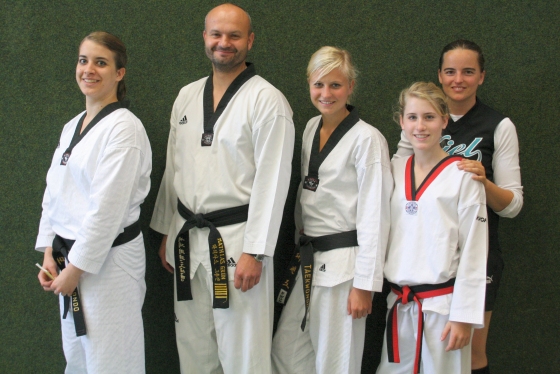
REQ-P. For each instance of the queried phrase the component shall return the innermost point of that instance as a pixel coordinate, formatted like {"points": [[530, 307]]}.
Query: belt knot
{"points": [[407, 295], [200, 221], [305, 240]]}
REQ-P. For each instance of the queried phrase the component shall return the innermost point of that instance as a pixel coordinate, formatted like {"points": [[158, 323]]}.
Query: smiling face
{"points": [[227, 37], [97, 74], [330, 93], [422, 125], [460, 75]]}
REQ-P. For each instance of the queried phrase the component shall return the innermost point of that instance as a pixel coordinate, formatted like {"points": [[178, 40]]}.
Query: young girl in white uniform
{"points": [[342, 225], [99, 176], [436, 258], [488, 142]]}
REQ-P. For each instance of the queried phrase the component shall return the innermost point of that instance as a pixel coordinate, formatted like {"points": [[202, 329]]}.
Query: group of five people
{"points": [[420, 220]]}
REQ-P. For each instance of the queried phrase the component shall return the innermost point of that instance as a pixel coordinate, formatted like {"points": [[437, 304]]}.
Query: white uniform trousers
{"points": [[332, 342], [434, 359], [234, 340], [112, 305]]}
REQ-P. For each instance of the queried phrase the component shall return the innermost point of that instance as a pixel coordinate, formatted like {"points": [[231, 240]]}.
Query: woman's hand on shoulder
{"points": [[497, 198], [474, 167], [359, 303]]}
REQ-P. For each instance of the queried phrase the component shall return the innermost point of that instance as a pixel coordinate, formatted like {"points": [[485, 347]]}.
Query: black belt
{"points": [[304, 254], [407, 294], [218, 260], [61, 248]]}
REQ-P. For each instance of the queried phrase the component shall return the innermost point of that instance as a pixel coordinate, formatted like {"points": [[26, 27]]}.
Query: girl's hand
{"points": [[67, 280], [460, 335], [359, 303], [50, 265]]}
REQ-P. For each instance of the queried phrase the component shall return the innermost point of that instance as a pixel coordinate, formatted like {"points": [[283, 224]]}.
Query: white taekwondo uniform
{"points": [[91, 200], [353, 193], [442, 235], [249, 162]]}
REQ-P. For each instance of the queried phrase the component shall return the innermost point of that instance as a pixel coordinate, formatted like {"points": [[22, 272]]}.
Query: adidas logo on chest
{"points": [[183, 120]]}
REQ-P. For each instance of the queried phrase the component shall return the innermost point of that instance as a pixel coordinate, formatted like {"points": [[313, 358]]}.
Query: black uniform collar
{"points": [[210, 117], [317, 157]]}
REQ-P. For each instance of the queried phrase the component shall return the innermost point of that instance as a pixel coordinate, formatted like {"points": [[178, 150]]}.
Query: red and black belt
{"points": [[218, 260], [405, 295], [61, 248]]}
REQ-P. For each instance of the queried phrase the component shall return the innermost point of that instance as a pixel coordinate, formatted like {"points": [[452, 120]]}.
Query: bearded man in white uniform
{"points": [[230, 147]]}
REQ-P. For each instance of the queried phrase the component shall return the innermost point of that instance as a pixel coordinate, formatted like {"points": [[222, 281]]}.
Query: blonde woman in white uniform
{"points": [[342, 228]]}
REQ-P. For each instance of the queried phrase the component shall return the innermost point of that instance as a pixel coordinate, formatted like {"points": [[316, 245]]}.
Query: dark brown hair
{"points": [[115, 45], [463, 44]]}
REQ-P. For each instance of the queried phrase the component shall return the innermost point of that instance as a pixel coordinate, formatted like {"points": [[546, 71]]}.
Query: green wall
{"points": [[393, 43]]}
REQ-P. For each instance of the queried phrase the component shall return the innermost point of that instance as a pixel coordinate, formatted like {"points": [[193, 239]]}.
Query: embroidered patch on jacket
{"points": [[65, 157], [411, 208], [207, 139], [311, 183]]}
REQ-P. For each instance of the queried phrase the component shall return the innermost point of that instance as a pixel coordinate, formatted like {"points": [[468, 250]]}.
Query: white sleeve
{"points": [[467, 304], [505, 162], [46, 233], [273, 143], [166, 202], [116, 179], [375, 185], [404, 148]]}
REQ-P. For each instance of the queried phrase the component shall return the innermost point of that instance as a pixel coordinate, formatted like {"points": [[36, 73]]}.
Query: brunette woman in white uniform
{"points": [[99, 176]]}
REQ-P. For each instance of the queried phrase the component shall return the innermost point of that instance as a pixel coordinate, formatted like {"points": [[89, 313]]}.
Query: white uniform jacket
{"points": [[444, 237], [249, 162], [354, 190], [99, 192]]}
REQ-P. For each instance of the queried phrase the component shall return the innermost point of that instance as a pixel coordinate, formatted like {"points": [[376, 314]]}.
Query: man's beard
{"points": [[229, 64]]}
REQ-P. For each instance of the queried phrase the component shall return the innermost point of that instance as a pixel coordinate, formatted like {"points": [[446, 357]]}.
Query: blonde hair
{"points": [[425, 91], [327, 58]]}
